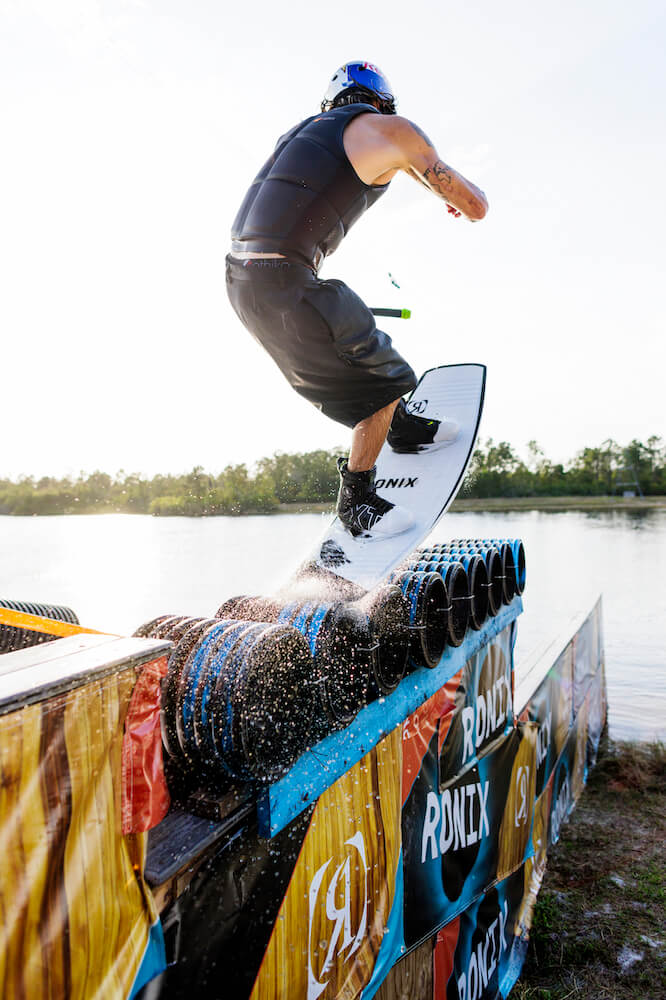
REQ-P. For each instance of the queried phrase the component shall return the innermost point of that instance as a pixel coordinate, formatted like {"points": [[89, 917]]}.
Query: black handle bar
{"points": [[396, 313]]}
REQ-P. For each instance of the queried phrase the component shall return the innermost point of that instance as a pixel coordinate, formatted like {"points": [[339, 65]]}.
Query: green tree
{"points": [[494, 471], [307, 478]]}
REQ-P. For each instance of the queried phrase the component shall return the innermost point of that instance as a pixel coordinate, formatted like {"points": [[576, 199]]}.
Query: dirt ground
{"points": [[599, 929]]}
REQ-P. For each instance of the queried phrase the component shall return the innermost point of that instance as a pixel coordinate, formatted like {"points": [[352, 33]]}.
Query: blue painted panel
{"points": [[153, 961]]}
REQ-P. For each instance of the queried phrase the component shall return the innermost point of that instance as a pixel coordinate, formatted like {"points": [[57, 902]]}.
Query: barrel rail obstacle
{"points": [[290, 799]]}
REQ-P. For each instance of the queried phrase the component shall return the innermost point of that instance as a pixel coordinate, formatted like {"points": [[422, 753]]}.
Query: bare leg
{"points": [[368, 436]]}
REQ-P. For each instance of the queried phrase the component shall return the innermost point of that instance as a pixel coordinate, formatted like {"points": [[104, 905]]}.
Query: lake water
{"points": [[118, 571]]}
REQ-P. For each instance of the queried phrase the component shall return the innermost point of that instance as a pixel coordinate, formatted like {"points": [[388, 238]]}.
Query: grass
{"points": [[599, 927], [605, 503]]}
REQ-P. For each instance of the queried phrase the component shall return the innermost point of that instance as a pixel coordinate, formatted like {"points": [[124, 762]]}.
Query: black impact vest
{"points": [[307, 195]]}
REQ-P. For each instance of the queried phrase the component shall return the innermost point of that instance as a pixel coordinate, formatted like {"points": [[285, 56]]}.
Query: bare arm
{"points": [[417, 156]]}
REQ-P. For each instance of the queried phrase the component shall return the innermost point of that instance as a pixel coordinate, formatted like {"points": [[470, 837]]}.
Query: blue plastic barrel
{"points": [[429, 611], [457, 585]]}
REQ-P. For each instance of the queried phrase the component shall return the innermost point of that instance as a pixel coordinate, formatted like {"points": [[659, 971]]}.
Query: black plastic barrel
{"points": [[498, 563], [479, 585], [520, 562], [259, 700], [238, 700], [185, 632], [429, 611], [12, 639], [518, 552], [339, 639], [388, 614], [251, 608], [493, 563], [177, 629], [508, 569], [477, 579], [457, 585], [163, 626], [177, 660], [146, 630], [193, 689]]}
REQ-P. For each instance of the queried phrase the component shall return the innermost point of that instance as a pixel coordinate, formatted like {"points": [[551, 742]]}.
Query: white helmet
{"points": [[356, 80]]}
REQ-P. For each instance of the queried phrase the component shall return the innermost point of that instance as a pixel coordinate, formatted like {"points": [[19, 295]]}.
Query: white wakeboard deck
{"points": [[425, 483]]}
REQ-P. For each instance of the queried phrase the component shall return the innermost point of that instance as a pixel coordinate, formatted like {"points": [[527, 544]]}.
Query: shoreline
{"points": [[459, 505], [505, 504]]}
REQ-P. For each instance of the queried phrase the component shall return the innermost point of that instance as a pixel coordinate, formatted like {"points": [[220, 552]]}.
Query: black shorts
{"points": [[322, 337]]}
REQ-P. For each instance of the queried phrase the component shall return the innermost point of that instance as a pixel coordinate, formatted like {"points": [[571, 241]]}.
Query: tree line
{"points": [[495, 471]]}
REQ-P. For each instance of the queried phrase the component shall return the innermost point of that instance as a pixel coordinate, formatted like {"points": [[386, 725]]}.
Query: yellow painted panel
{"points": [[108, 925], [75, 913], [517, 817], [334, 914], [23, 853]]}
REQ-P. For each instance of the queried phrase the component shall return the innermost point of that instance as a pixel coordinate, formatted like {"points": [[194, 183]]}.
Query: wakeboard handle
{"points": [[396, 313]]}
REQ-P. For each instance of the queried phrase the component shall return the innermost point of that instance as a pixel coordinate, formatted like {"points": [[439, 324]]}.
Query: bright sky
{"points": [[130, 130]]}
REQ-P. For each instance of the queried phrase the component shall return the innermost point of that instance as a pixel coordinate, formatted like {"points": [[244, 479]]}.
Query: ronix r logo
{"points": [[522, 796], [332, 889], [543, 738], [417, 406]]}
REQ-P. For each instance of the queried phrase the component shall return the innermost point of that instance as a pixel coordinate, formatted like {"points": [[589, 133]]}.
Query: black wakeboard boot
{"points": [[410, 433], [362, 511]]}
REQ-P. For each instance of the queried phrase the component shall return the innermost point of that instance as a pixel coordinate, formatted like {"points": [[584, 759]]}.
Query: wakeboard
{"points": [[426, 483]]}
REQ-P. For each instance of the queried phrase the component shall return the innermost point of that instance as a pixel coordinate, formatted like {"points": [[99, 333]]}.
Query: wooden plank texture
{"points": [[75, 912]]}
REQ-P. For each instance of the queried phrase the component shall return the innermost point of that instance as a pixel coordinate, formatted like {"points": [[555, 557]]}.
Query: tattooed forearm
{"points": [[439, 177], [460, 195], [438, 173]]}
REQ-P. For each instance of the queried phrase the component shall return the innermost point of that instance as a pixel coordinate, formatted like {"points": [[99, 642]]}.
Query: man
{"points": [[322, 176]]}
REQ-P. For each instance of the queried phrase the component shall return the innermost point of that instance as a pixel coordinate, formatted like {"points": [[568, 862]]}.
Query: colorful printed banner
{"points": [[483, 705], [343, 888], [460, 837], [587, 656], [551, 708], [475, 956], [78, 918]]}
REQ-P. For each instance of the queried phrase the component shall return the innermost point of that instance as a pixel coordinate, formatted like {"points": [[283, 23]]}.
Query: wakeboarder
{"points": [[322, 176]]}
